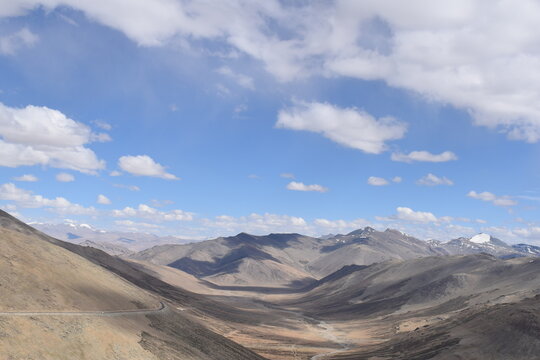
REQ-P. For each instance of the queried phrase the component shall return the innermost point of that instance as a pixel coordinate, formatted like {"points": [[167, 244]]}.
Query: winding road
{"points": [[162, 307]]}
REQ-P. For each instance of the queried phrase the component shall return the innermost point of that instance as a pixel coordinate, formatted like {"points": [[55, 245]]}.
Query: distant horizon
{"points": [[90, 227]]}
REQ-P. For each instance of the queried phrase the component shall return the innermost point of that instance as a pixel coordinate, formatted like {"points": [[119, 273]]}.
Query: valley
{"points": [[365, 295]]}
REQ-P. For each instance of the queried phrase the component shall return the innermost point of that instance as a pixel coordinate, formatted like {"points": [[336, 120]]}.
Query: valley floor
{"points": [[282, 329]]}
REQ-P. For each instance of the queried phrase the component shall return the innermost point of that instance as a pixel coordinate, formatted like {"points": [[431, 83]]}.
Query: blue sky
{"points": [[198, 120]]}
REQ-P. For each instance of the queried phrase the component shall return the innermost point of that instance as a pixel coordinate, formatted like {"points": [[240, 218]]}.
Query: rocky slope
{"points": [[47, 277]]}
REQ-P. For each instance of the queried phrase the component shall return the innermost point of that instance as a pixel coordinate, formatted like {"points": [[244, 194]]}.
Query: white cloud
{"points": [[479, 56], [242, 80], [397, 179], [65, 177], [325, 226], [377, 181], [135, 225], [26, 177], [115, 173], [41, 136], [146, 212], [492, 198], [10, 44], [408, 214], [433, 180], [103, 200], [26, 199], [144, 165], [425, 156], [257, 223], [299, 186], [347, 126]]}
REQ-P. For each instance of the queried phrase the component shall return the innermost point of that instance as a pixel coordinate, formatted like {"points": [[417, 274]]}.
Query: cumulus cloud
{"points": [[475, 55], [65, 177], [287, 175], [325, 226], [103, 200], [26, 199], [257, 223], [397, 179], [37, 135], [26, 177], [299, 186], [144, 165], [434, 180], [409, 215], [12, 43], [492, 198], [347, 126], [424, 156], [146, 212], [377, 181]]}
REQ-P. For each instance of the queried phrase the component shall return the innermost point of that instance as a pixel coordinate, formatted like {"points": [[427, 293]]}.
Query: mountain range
{"points": [[294, 259], [364, 295]]}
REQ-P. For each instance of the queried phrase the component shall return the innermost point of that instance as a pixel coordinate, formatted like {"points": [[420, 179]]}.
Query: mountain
{"points": [[367, 246], [482, 243], [453, 307], [109, 248], [105, 240], [430, 284], [526, 249], [500, 332], [64, 301], [283, 259], [275, 259]]}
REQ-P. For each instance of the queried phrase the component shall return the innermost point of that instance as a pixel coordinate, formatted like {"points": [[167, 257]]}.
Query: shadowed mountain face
{"points": [[499, 332], [284, 259], [47, 277], [433, 285], [391, 296]]}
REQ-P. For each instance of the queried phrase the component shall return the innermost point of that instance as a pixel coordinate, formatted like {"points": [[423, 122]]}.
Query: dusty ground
{"points": [[278, 333]]}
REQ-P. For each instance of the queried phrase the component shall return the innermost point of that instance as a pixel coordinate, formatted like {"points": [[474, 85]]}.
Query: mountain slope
{"points": [[481, 243], [434, 284], [284, 259], [42, 274], [499, 332], [368, 246]]}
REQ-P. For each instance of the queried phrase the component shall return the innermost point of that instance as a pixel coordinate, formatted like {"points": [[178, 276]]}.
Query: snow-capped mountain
{"points": [[531, 250], [483, 243]]}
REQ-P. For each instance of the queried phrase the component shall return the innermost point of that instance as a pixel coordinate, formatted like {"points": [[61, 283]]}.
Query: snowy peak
{"points": [[480, 239]]}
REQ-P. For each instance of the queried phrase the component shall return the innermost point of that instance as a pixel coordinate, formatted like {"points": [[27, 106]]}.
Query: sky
{"points": [[199, 119]]}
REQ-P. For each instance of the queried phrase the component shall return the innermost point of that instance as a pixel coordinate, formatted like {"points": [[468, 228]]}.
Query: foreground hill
{"points": [[57, 304]]}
